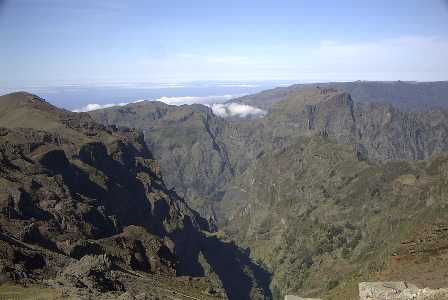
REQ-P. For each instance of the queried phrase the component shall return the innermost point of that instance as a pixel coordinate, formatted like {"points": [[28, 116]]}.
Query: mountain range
{"points": [[290, 186], [338, 183], [200, 152]]}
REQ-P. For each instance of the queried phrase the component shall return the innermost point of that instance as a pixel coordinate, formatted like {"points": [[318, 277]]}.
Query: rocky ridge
{"points": [[84, 209], [404, 95], [201, 153]]}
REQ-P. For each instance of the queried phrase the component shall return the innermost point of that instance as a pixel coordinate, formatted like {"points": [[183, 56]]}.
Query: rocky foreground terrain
{"points": [[85, 213]]}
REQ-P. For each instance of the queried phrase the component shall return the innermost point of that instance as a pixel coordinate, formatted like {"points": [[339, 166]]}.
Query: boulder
{"points": [[85, 247], [293, 297], [400, 290], [94, 272]]}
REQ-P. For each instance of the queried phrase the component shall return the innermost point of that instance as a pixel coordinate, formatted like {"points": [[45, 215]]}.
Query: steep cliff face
{"points": [[186, 140], [382, 131], [406, 96], [201, 153], [320, 218], [85, 205]]}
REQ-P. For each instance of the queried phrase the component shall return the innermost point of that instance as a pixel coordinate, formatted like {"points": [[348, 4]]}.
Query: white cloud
{"points": [[181, 100], [219, 108], [236, 110], [206, 100], [248, 85], [228, 59], [95, 106]]}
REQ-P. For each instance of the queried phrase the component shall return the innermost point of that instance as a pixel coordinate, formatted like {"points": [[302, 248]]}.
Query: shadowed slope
{"points": [[89, 202]]}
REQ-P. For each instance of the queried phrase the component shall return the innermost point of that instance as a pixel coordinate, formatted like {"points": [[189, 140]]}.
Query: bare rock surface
{"points": [[94, 272], [398, 291], [292, 297]]}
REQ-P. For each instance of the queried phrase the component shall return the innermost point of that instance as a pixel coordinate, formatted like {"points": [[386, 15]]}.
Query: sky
{"points": [[59, 42]]}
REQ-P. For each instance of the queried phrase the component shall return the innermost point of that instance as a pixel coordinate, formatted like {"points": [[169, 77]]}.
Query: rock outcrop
{"points": [[398, 291], [94, 272], [292, 297]]}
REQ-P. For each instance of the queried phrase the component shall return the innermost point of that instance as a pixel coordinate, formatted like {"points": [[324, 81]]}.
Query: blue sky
{"points": [[52, 42]]}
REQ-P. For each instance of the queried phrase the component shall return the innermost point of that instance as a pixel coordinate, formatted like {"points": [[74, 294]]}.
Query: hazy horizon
{"points": [[87, 97], [85, 54]]}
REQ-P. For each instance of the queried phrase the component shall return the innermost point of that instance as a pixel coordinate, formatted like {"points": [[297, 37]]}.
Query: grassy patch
{"points": [[17, 292]]}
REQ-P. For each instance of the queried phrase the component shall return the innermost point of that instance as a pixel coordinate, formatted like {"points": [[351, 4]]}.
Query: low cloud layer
{"points": [[226, 110], [205, 100], [216, 103], [95, 106]]}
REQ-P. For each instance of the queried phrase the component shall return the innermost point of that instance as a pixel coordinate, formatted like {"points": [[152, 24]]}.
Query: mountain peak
{"points": [[21, 97], [26, 110]]}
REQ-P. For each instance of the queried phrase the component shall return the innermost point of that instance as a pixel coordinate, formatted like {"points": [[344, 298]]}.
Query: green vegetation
{"points": [[13, 292]]}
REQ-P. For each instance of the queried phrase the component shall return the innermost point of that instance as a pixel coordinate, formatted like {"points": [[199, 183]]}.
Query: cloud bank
{"points": [[219, 108], [226, 110], [205, 100], [181, 100], [95, 106]]}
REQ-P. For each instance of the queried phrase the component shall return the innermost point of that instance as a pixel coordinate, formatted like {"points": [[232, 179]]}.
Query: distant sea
{"points": [[79, 96]]}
